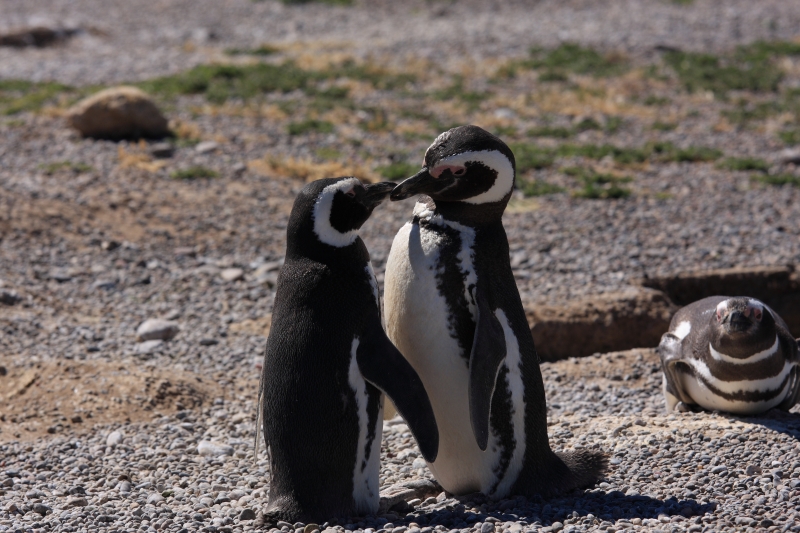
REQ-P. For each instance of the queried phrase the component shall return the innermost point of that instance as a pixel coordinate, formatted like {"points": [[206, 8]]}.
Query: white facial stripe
{"points": [[683, 329], [513, 363], [366, 470], [732, 387], [322, 215], [760, 356], [722, 307], [492, 159]]}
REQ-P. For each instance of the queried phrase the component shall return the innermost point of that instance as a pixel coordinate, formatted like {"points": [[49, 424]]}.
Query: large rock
{"points": [[118, 113], [633, 318], [38, 36], [776, 286]]}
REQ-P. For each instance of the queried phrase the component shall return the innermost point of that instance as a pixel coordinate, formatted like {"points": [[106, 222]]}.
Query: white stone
{"points": [[156, 328], [205, 147], [149, 346], [213, 449], [114, 438], [232, 274]]}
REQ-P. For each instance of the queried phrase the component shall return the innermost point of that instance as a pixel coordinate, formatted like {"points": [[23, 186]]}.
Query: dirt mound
{"points": [[73, 396]]}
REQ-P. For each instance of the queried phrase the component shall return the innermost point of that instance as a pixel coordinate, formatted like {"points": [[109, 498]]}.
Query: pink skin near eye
{"points": [[455, 169]]}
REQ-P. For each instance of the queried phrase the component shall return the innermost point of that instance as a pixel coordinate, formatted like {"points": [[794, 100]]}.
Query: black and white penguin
{"points": [[454, 311], [328, 360], [729, 354]]}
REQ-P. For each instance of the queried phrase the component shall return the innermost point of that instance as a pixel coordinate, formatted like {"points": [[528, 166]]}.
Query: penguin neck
{"points": [[303, 243], [473, 215]]}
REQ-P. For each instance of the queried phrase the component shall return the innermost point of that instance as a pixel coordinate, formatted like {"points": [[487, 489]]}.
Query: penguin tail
{"points": [[584, 468]]}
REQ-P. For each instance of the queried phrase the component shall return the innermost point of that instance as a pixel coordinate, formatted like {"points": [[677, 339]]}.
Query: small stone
{"points": [[310, 528], [77, 419], [114, 438], [162, 150], [556, 526], [41, 508], [790, 156], [77, 501], [419, 462], [208, 342], [206, 147], [238, 168], [247, 514], [156, 328], [487, 527], [232, 274], [8, 297], [149, 346], [213, 449], [752, 470], [155, 498]]}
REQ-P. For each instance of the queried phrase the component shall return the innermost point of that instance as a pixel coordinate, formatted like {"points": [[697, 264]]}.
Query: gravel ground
{"points": [[89, 252]]}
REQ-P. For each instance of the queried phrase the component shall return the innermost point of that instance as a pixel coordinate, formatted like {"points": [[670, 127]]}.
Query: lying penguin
{"points": [[454, 311], [327, 361], [729, 354]]}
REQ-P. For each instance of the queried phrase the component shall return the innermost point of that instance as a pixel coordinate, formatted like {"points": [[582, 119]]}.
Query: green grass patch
{"points": [[328, 154], [598, 186], [538, 187], [195, 172], [309, 126], [556, 63], [372, 74], [398, 170], [664, 126], [456, 91], [17, 96], [532, 157], [740, 164], [263, 50], [790, 136], [777, 179], [69, 166], [551, 131], [653, 100], [751, 67]]}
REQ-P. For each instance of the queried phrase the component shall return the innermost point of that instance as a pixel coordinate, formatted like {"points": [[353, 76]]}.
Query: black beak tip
{"points": [[398, 194]]}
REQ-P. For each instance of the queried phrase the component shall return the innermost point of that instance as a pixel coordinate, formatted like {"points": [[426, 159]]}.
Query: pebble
{"points": [[206, 147], [147, 347], [156, 329], [213, 449], [232, 274], [9, 297], [114, 438]]}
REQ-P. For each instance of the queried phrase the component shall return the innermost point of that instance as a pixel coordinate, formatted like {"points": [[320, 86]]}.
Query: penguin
{"points": [[734, 355], [328, 361], [453, 310]]}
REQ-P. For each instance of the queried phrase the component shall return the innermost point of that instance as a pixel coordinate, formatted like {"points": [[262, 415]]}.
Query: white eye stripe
{"points": [[322, 215], [493, 159]]}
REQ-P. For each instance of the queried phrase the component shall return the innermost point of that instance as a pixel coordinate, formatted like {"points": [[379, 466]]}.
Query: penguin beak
{"points": [[737, 321], [375, 193], [420, 183]]}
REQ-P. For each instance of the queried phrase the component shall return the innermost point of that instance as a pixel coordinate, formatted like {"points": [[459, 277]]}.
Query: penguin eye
{"points": [[351, 193], [719, 315]]}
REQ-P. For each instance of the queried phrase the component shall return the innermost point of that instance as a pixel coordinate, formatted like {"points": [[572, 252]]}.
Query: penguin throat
{"points": [[466, 213]]}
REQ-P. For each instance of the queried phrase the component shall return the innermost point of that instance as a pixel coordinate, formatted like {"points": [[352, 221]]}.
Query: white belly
{"points": [[705, 398], [416, 321]]}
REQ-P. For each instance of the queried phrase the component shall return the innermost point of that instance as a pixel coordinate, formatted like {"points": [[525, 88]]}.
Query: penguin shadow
{"points": [[777, 420], [609, 506]]}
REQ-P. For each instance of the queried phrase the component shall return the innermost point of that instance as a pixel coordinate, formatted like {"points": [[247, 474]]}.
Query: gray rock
{"points": [[162, 150], [213, 449], [156, 329], [247, 514], [206, 147], [118, 113], [9, 297], [114, 438], [232, 274], [149, 346], [155, 498]]}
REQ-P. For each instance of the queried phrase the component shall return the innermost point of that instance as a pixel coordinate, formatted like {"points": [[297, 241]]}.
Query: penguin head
{"points": [[337, 207], [741, 321], [465, 164]]}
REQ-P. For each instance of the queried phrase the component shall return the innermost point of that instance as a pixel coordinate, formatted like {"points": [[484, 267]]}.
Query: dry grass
{"points": [[138, 159], [308, 170]]}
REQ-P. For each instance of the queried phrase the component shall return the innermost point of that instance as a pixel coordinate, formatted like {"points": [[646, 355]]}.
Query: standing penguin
{"points": [[327, 361], [729, 354], [454, 311]]}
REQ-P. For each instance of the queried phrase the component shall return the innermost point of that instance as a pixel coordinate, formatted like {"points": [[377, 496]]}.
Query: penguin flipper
{"points": [[382, 365], [670, 350], [488, 353]]}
